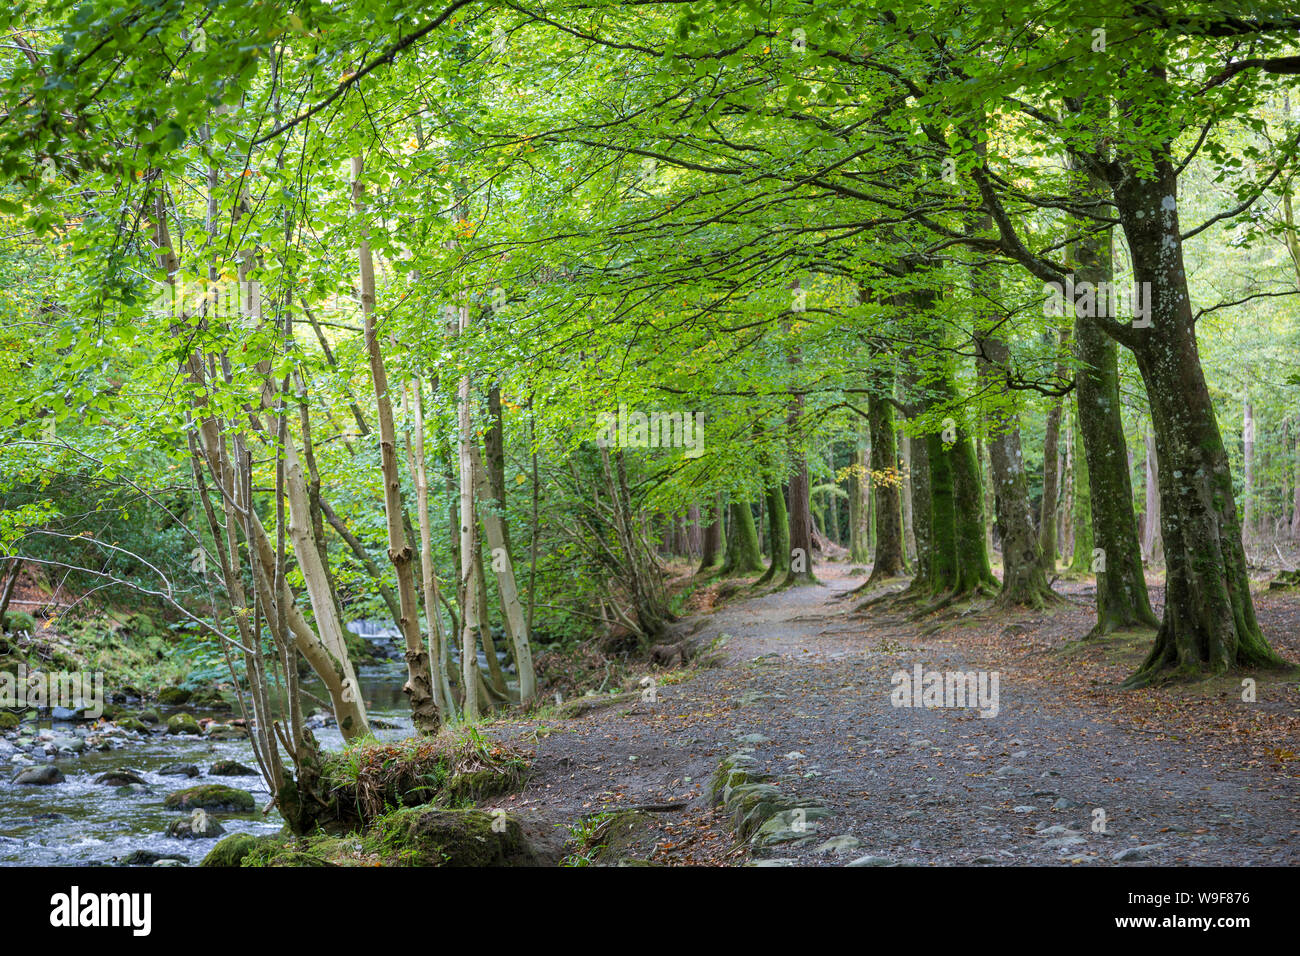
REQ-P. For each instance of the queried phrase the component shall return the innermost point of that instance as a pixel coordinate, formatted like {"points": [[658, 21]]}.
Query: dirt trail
{"points": [[807, 687]]}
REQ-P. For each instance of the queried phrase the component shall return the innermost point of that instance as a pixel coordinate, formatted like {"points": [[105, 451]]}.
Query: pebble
{"points": [[1135, 853]]}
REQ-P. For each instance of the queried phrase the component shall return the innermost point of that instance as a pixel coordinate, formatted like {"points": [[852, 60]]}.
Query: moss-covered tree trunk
{"points": [[884, 467], [743, 554], [1023, 579], [1081, 519], [779, 532], [799, 515], [974, 571], [1051, 474], [1115, 555], [859, 505], [943, 516], [711, 539], [1209, 620]]}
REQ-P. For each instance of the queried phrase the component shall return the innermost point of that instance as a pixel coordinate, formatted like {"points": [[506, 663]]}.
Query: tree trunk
{"points": [[11, 582], [428, 578], [799, 512], [1023, 579], [469, 669], [1151, 520], [1081, 519], [1051, 476], [1295, 484], [712, 542], [419, 683], [779, 533], [889, 562], [1249, 530], [860, 493], [502, 564], [743, 554], [1209, 623], [693, 538], [909, 523]]}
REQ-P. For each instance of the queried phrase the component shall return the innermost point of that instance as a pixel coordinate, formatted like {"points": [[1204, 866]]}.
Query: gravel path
{"points": [[806, 687]]}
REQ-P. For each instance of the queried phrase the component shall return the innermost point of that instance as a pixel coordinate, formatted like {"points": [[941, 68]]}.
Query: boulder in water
{"points": [[174, 696], [232, 850], [230, 768], [149, 858], [119, 778], [210, 796], [199, 826], [179, 770], [183, 724], [217, 731], [40, 776]]}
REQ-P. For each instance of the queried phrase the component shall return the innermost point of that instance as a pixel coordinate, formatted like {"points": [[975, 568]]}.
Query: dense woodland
{"points": [[515, 325]]}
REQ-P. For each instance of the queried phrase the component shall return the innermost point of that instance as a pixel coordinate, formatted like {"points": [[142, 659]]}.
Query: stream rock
{"points": [[199, 826], [149, 858], [174, 696], [224, 731], [179, 770], [119, 778], [183, 724], [40, 776], [230, 768], [232, 850], [210, 796]]}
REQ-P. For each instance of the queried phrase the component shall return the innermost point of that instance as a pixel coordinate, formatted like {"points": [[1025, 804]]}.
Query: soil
{"points": [[1181, 774]]}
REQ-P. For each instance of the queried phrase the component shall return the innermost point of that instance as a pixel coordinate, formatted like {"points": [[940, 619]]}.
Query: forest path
{"points": [[806, 686]]}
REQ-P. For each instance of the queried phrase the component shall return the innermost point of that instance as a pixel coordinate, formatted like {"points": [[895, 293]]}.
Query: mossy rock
{"points": [[149, 716], [10, 664], [120, 778], [625, 838], [225, 732], [210, 698], [753, 803], [174, 696], [1285, 580], [452, 769], [112, 712], [427, 837], [285, 856], [210, 796], [8, 721], [477, 785], [733, 771], [230, 768], [18, 621], [132, 724], [232, 850], [183, 724]]}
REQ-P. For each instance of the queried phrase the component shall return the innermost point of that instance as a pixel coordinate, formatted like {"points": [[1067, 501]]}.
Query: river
{"points": [[82, 823]]}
